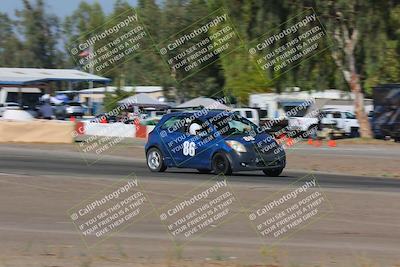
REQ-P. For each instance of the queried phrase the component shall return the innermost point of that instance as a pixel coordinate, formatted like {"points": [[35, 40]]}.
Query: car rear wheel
{"points": [[155, 160], [273, 172], [220, 164]]}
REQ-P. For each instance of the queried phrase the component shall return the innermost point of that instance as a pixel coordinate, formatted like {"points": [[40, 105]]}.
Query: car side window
{"points": [[204, 129], [337, 115], [249, 114], [174, 123]]}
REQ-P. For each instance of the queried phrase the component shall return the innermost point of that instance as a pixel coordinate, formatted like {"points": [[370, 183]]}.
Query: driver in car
{"points": [[194, 128]]}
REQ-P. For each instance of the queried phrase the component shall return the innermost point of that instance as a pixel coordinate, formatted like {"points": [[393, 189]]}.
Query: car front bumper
{"points": [[254, 160]]}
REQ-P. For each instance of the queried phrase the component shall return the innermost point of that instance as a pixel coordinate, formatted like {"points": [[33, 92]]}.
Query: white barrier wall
{"points": [[115, 129], [110, 129]]}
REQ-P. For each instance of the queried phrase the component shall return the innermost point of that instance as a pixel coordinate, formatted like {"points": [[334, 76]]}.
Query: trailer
{"points": [[385, 118]]}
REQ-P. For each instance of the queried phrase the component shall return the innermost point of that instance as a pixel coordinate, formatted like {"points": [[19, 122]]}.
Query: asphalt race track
{"points": [[37, 187], [28, 161]]}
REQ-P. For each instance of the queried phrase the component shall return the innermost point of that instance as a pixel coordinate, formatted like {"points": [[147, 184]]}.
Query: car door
{"points": [[337, 117], [197, 149], [172, 135], [350, 122]]}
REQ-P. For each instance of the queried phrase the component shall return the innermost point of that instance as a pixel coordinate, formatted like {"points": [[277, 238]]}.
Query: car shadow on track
{"points": [[238, 177]]}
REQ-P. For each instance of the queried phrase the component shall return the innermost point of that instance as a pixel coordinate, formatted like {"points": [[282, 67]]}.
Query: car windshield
{"points": [[12, 105], [234, 125]]}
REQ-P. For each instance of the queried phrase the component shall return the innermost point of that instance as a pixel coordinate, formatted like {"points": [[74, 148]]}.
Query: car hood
{"points": [[261, 138]]}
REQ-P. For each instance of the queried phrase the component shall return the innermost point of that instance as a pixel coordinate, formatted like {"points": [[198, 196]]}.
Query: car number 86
{"points": [[189, 148]]}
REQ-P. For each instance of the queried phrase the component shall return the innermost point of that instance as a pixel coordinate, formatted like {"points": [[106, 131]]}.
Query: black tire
{"points": [[273, 172], [204, 171], [155, 160], [221, 165], [354, 132]]}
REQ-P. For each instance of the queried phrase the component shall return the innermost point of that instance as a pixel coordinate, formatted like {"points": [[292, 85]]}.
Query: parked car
{"points": [[74, 109], [343, 120], [8, 106], [302, 124]]}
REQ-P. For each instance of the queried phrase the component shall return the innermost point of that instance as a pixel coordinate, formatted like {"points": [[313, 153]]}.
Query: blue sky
{"points": [[61, 8]]}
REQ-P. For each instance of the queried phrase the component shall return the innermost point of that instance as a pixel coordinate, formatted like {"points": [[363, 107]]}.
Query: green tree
{"points": [[355, 27], [10, 45], [40, 31], [86, 19]]}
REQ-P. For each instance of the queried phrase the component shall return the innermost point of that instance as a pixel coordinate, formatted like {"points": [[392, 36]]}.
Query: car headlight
{"points": [[237, 146]]}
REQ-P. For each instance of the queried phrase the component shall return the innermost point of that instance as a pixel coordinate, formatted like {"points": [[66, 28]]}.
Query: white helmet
{"points": [[194, 127]]}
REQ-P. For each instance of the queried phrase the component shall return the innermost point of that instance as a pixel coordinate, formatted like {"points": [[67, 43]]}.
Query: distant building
{"points": [[97, 95]]}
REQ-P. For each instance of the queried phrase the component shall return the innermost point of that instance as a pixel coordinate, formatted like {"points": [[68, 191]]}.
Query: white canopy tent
{"points": [[24, 76], [41, 79], [142, 100], [206, 102]]}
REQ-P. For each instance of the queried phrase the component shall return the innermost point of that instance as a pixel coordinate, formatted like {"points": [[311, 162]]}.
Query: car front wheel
{"points": [[273, 172], [155, 160], [220, 164]]}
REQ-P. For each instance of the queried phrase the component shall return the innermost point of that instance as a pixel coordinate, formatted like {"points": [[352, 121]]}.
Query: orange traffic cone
{"points": [[310, 141], [317, 143], [103, 120], [332, 143], [72, 118]]}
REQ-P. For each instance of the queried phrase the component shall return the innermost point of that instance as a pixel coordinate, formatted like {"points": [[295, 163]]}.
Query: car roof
{"points": [[185, 113], [331, 110]]}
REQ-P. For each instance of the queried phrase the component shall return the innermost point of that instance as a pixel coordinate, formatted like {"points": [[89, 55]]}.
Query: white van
{"points": [[343, 120], [248, 113]]}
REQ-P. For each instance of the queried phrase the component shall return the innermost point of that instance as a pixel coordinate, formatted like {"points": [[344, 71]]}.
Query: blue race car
{"points": [[212, 140]]}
